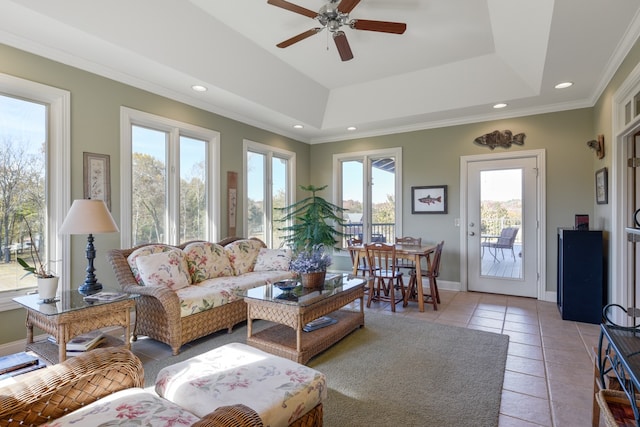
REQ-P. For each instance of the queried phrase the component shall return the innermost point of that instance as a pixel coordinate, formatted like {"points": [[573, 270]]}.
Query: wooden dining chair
{"points": [[387, 280], [407, 263], [363, 266], [432, 273]]}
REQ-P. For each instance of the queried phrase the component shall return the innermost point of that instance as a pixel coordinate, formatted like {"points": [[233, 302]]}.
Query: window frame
{"points": [[58, 195], [366, 157], [175, 129], [269, 152]]}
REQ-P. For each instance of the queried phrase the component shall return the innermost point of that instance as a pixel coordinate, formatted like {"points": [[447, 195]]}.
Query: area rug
{"points": [[399, 371]]}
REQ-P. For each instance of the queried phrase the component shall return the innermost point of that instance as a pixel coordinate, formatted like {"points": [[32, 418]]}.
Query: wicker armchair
{"points": [[158, 308], [47, 394]]}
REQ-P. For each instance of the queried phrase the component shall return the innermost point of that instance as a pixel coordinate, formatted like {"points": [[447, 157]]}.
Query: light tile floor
{"points": [[549, 373]]}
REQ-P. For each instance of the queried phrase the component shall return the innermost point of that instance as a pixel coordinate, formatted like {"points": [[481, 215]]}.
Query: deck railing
{"points": [[380, 231]]}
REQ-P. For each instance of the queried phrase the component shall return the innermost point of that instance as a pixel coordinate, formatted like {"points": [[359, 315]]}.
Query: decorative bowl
{"points": [[286, 285]]}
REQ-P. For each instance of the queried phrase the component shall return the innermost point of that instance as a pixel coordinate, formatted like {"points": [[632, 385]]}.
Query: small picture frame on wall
{"points": [[602, 187], [429, 199], [97, 177]]}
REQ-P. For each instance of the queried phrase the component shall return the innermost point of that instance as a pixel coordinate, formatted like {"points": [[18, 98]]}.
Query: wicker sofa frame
{"points": [[158, 308], [47, 394]]}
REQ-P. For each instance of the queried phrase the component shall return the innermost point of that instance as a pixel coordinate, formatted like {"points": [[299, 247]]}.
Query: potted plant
{"points": [[315, 225], [312, 266], [47, 281]]}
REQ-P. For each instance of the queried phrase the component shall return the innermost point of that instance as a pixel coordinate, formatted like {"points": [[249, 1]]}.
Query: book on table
{"points": [[105, 296], [85, 342], [318, 323], [13, 362]]}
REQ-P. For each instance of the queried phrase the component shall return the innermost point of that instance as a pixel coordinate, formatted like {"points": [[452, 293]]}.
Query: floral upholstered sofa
{"points": [[194, 289]]}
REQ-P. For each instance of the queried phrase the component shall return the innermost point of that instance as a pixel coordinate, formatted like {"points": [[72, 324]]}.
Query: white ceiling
{"points": [[456, 59]]}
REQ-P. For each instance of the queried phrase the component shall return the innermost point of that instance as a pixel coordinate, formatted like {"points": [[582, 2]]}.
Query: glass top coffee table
{"points": [[293, 309]]}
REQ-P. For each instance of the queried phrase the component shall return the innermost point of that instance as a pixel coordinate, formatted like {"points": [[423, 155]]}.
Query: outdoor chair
{"points": [[387, 280], [505, 241], [433, 297]]}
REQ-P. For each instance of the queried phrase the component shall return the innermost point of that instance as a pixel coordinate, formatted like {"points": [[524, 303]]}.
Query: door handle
{"points": [[471, 233]]}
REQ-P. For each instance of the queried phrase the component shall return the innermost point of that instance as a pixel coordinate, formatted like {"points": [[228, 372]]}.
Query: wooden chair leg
{"points": [[434, 293]]}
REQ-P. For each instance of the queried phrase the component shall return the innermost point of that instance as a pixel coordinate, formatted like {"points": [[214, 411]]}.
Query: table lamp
{"points": [[89, 216]]}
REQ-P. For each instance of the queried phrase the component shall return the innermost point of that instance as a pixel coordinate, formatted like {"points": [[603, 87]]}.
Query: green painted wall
{"points": [[432, 157], [95, 127]]}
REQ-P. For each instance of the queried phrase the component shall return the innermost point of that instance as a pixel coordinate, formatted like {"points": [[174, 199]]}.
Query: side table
{"points": [[72, 316]]}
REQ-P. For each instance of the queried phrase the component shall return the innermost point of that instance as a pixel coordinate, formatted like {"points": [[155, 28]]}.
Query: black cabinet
{"points": [[581, 290]]}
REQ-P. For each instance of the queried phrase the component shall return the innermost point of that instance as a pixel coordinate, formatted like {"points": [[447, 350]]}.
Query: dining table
{"points": [[410, 252]]}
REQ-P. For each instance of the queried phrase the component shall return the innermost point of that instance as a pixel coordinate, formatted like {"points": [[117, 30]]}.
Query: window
{"points": [[269, 183], [172, 169], [34, 149], [368, 184]]}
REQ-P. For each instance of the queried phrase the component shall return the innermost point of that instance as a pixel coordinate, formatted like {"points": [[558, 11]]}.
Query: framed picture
{"points": [[602, 187], [97, 177], [429, 199]]}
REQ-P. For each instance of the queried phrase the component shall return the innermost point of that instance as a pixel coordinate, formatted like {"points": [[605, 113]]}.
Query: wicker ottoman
{"points": [[281, 391]]}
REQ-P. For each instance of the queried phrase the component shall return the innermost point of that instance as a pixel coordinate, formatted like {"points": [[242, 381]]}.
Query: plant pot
{"points": [[313, 280], [47, 288]]}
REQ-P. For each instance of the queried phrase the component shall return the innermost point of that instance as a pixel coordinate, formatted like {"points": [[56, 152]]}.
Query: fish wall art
{"points": [[502, 139]]}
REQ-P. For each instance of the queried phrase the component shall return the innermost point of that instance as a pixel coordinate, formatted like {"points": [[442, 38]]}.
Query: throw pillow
{"points": [[273, 260], [206, 261], [144, 251], [243, 254], [167, 269]]}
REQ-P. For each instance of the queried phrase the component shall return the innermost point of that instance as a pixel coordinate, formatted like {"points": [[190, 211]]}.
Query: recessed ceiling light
{"points": [[563, 85], [500, 105], [298, 126], [199, 88], [352, 128]]}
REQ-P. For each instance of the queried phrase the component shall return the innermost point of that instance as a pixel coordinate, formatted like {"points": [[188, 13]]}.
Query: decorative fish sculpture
{"points": [[430, 200], [500, 139]]}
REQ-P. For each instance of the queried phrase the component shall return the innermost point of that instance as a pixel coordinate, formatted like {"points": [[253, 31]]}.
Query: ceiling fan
{"points": [[333, 16]]}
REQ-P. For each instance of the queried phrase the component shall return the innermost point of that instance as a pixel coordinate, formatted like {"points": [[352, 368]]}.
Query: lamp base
{"points": [[89, 288]]}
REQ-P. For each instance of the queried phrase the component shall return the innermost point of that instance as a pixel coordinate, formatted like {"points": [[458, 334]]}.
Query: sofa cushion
{"points": [[143, 251], [273, 259], [207, 260], [133, 406], [243, 254], [278, 389], [218, 291], [167, 269]]}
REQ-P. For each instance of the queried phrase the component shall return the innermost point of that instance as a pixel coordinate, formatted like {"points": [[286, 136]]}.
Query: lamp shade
{"points": [[88, 216]]}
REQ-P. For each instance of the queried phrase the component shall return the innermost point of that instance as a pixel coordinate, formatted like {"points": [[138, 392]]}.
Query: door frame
{"points": [[541, 254]]}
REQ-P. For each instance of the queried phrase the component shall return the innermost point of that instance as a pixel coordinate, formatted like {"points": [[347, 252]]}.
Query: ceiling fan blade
{"points": [[381, 26], [299, 37], [342, 44], [346, 6], [293, 8]]}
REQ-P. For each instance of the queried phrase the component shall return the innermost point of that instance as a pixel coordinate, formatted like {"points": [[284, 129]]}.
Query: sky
{"points": [[501, 185]]}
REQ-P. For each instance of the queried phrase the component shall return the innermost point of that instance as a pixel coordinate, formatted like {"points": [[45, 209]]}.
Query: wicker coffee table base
{"points": [[281, 340], [286, 339]]}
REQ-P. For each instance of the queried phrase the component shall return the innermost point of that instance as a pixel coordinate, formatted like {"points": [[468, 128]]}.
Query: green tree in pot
{"points": [[315, 225]]}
